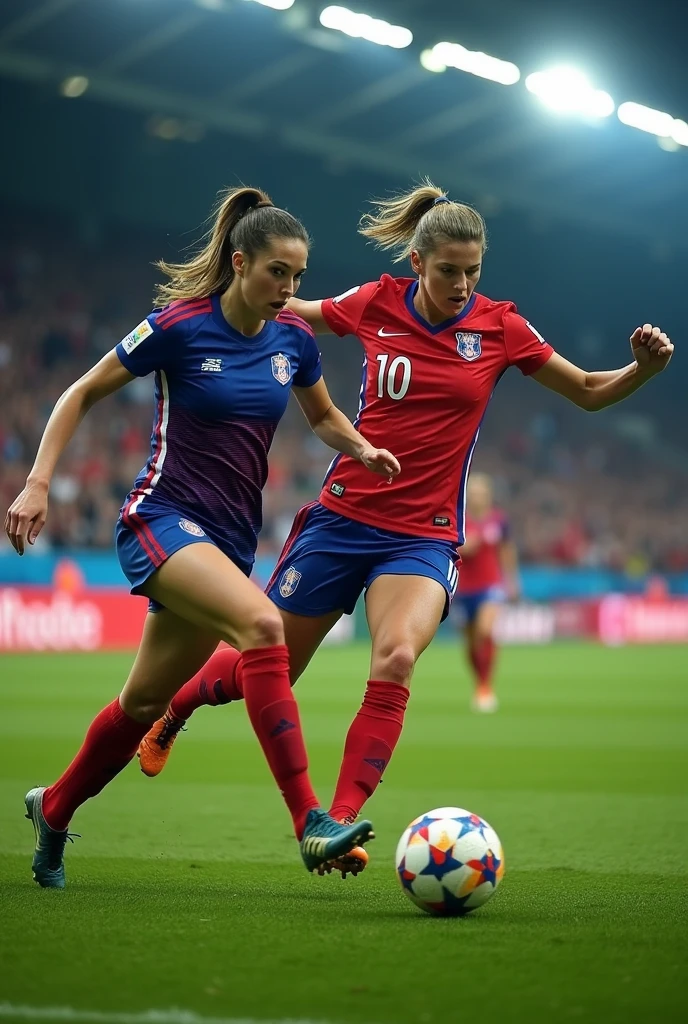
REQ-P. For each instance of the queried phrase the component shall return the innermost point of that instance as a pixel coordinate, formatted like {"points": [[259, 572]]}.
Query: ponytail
{"points": [[244, 220], [421, 219]]}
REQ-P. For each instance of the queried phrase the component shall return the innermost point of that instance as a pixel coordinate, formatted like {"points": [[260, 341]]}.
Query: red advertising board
{"points": [[641, 620], [109, 619], [47, 619]]}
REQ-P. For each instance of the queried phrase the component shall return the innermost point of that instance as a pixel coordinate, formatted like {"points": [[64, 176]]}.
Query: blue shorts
{"points": [[329, 560], [149, 536], [470, 604]]}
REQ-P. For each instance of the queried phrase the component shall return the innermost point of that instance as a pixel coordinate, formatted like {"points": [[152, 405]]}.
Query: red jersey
{"points": [[424, 393], [483, 569]]}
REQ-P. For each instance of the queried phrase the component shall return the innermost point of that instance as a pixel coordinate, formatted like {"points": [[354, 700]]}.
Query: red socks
{"points": [[370, 743], [275, 719], [110, 744], [482, 658], [218, 682]]}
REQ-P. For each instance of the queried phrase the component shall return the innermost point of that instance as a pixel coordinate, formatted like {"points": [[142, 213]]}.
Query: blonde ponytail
{"points": [[420, 219]]}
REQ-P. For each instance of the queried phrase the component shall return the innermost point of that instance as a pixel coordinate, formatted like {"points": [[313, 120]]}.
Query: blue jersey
{"points": [[219, 396]]}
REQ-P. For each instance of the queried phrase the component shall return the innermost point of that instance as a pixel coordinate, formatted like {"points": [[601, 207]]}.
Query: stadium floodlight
{"points": [[656, 122], [568, 91], [277, 5], [74, 86], [679, 132], [453, 55], [430, 61], [362, 26]]}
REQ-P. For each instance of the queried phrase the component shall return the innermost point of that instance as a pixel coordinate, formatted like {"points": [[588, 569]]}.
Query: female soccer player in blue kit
{"points": [[434, 349], [226, 354]]}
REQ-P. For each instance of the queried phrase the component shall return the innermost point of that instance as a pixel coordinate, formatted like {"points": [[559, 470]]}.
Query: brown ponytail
{"points": [[244, 220], [416, 220]]}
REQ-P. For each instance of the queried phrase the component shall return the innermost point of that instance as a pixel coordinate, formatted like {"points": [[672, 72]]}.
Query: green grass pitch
{"points": [[187, 891]]}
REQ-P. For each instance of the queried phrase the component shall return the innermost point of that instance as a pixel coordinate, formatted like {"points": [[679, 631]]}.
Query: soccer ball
{"points": [[449, 861]]}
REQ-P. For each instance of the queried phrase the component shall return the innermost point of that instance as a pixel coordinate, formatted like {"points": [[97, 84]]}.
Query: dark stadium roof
{"points": [[254, 73]]}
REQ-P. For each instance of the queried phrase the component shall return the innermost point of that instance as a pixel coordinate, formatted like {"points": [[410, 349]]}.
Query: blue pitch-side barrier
{"points": [[539, 583]]}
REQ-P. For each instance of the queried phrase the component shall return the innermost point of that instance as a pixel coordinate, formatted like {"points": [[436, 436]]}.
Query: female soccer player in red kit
{"points": [[488, 575], [226, 354], [434, 350]]}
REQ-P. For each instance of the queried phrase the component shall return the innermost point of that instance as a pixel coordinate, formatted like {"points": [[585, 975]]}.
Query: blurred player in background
{"points": [[434, 350], [488, 575], [226, 354]]}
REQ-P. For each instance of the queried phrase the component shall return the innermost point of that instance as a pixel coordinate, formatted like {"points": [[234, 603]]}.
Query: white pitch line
{"points": [[171, 1016]]}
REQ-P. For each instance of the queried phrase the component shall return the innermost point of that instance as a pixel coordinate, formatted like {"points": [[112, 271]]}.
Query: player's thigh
{"points": [[201, 585], [303, 635], [171, 651], [403, 615], [485, 620]]}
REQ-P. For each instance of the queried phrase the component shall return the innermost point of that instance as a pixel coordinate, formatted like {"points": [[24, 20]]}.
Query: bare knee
{"points": [[394, 662], [483, 634], [142, 708], [264, 629]]}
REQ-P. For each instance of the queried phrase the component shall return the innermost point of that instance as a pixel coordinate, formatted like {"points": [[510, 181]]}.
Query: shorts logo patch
{"points": [[469, 346], [289, 582], [139, 333], [337, 489], [191, 528], [281, 368]]}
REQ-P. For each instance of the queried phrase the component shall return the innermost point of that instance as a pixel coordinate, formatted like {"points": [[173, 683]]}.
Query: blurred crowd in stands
{"points": [[579, 490]]}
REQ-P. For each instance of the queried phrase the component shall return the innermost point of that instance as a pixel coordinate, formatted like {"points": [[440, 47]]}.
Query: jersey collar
{"points": [[219, 318], [435, 328]]}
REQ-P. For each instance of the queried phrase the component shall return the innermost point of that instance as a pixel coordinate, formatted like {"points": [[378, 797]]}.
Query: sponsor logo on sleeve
{"points": [[138, 335], [345, 295], [536, 333], [469, 346]]}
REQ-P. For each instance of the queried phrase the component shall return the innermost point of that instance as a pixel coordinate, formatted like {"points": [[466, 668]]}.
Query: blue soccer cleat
{"points": [[47, 864], [325, 840]]}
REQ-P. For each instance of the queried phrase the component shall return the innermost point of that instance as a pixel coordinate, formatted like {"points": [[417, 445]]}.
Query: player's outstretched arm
{"points": [[652, 351], [336, 431], [27, 514], [310, 311]]}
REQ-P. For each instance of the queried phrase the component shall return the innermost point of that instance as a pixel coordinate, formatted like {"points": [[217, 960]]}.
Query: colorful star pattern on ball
{"points": [[451, 906], [471, 823], [420, 828], [406, 878], [487, 866], [441, 862]]}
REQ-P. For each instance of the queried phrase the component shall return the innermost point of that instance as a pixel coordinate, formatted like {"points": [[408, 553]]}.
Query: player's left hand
{"points": [[652, 348], [379, 460]]}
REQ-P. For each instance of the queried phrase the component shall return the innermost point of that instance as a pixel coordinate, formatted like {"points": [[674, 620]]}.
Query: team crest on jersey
{"points": [[469, 346], [289, 582], [191, 528], [281, 368]]}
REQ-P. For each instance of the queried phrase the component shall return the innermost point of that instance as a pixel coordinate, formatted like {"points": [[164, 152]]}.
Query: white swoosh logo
{"points": [[382, 333]]}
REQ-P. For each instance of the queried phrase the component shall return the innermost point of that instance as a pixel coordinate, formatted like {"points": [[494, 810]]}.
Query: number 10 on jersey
{"points": [[387, 377]]}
